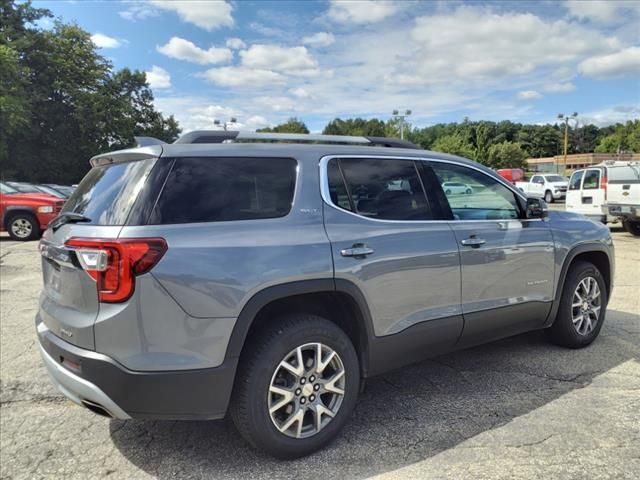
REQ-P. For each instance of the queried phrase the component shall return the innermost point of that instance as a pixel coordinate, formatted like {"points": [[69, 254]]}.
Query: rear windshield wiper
{"points": [[67, 217]]}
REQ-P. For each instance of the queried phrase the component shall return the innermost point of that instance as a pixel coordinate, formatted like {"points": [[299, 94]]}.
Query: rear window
{"points": [[107, 193], [226, 189]]}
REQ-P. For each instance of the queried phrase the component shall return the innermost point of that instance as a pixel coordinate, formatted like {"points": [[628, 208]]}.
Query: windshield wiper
{"points": [[67, 217]]}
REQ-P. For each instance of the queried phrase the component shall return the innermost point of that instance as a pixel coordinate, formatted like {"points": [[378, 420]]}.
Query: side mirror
{"points": [[537, 208]]}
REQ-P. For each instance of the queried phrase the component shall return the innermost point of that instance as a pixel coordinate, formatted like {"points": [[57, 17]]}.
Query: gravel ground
{"points": [[517, 408]]}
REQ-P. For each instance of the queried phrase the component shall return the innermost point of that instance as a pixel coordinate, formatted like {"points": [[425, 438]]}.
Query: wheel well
{"points": [[601, 261], [9, 214], [337, 307]]}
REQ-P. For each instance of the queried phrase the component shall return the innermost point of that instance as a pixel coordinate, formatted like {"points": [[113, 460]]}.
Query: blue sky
{"points": [[262, 62]]}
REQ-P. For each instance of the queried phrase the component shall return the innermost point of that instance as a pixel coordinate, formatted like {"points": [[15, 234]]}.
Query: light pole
{"points": [[397, 116], [231, 122], [566, 118]]}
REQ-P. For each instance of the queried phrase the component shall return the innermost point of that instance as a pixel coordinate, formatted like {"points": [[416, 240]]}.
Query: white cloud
{"points": [[320, 39], [602, 11], [361, 11], [621, 63], [208, 15], [158, 77], [473, 43], [300, 92], [257, 121], [559, 87], [139, 11], [185, 50], [290, 60], [609, 116], [244, 77], [529, 95], [235, 43], [105, 41], [277, 103]]}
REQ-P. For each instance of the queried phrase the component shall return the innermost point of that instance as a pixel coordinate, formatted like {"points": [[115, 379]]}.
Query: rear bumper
{"points": [[625, 211], [103, 385]]}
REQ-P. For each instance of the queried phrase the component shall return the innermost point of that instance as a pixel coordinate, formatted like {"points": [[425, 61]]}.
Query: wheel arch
{"points": [[11, 210], [340, 301]]}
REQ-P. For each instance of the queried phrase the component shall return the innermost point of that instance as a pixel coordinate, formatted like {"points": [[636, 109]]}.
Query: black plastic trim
{"points": [[180, 394]]}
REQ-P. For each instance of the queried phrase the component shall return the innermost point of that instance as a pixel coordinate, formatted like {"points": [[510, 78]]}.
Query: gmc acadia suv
{"points": [[270, 279]]}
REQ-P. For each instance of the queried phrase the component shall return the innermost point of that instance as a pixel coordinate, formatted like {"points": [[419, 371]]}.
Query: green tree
{"points": [[506, 155], [454, 144], [64, 103], [292, 125], [355, 126]]}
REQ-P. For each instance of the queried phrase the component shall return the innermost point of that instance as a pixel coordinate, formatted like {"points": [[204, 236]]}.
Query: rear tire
{"points": [[447, 192], [262, 415], [23, 227], [582, 307], [548, 196], [632, 226], [469, 191]]}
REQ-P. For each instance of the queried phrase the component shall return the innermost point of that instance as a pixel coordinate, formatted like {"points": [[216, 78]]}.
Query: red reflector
{"points": [[71, 364], [125, 258]]}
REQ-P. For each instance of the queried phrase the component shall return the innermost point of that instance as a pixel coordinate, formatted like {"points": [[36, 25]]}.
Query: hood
{"points": [[564, 215], [35, 197]]}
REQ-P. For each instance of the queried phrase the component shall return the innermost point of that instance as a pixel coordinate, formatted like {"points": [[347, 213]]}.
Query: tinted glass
{"points": [[574, 183], [382, 189], [591, 180], [337, 189], [488, 199], [537, 179], [224, 189], [555, 178], [4, 188], [106, 193]]}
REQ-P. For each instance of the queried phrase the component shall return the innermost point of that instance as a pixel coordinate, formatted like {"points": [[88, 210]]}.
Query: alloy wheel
{"points": [[586, 306], [306, 390], [21, 228]]}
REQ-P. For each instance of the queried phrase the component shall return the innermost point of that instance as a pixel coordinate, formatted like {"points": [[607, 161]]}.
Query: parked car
{"points": [[512, 175], [548, 187], [26, 215], [607, 192], [64, 189], [270, 280], [451, 188]]}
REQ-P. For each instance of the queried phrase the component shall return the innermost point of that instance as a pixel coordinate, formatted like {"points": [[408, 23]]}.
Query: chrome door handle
{"points": [[473, 242], [358, 250]]}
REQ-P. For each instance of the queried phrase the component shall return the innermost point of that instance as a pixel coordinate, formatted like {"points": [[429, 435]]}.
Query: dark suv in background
{"points": [[270, 279]]}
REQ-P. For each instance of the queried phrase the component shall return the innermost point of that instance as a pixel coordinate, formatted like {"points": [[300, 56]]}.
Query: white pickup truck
{"points": [[550, 187]]}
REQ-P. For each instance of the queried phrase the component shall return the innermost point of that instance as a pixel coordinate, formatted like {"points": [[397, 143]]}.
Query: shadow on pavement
{"points": [[402, 417]]}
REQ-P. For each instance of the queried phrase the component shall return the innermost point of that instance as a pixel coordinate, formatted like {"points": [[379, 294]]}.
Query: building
{"points": [[579, 160]]}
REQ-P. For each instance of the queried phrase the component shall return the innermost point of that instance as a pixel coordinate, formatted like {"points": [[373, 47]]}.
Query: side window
{"points": [[576, 178], [222, 189], [591, 180], [484, 198], [381, 189], [538, 179]]}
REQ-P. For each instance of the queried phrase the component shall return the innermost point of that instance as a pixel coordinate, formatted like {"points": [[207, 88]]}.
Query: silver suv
{"points": [[271, 279]]}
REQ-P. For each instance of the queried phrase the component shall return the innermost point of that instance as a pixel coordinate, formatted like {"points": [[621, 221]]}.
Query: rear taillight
{"points": [[114, 264], [603, 186]]}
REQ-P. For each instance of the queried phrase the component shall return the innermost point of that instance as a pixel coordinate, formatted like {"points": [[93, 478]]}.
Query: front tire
{"points": [[469, 191], [548, 197], [23, 227], [582, 307], [297, 385], [631, 226]]}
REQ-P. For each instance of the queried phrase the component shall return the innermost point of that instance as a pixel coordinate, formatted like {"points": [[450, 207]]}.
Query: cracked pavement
{"points": [[516, 408]]}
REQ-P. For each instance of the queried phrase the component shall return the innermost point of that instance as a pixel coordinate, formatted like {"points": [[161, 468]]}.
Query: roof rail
{"points": [[220, 136]]}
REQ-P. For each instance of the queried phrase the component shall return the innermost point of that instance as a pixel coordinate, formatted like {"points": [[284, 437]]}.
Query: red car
{"points": [[26, 215]]}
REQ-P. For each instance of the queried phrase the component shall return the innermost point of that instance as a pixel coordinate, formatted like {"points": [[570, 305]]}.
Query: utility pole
{"points": [[566, 118], [231, 122], [397, 116]]}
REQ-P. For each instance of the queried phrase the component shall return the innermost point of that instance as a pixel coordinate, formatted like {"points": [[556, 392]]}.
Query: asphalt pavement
{"points": [[516, 408]]}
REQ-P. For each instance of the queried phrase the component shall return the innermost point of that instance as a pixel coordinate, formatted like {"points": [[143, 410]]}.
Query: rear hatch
{"points": [[623, 185], [100, 206]]}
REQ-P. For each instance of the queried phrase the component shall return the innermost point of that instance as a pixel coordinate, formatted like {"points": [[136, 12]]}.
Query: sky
{"points": [[264, 61]]}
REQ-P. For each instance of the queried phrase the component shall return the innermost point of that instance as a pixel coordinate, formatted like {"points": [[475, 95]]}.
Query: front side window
{"points": [[591, 180], [484, 197], [576, 178], [383, 189], [223, 189], [538, 179]]}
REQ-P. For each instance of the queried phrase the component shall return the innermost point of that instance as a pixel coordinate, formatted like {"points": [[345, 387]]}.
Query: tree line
{"points": [[61, 102], [502, 144]]}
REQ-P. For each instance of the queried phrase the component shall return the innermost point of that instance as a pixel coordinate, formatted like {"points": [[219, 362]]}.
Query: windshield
{"points": [[555, 178], [6, 189]]}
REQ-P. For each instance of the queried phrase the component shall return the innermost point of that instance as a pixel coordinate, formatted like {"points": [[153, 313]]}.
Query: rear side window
{"points": [[107, 193], [576, 178], [225, 189], [381, 189], [591, 180]]}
